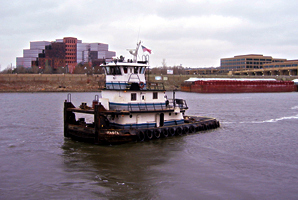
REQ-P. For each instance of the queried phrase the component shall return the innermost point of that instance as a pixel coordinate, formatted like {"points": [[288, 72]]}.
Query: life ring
{"points": [[142, 85]]}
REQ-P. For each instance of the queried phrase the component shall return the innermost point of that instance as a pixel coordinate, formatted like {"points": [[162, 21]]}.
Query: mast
{"points": [[134, 52]]}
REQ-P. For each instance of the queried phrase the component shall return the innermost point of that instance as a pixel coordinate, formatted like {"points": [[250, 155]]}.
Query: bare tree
{"points": [[35, 69], [163, 63], [48, 70], [8, 70]]}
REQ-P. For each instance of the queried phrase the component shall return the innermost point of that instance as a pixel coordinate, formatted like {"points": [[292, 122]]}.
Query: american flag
{"points": [[146, 49]]}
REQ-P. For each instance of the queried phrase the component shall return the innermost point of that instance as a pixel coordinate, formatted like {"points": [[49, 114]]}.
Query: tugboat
{"points": [[131, 109]]}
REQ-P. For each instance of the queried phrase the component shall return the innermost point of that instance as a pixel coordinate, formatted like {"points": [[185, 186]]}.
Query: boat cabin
{"points": [[124, 75]]}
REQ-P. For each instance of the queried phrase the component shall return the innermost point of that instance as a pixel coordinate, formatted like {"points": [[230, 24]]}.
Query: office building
{"points": [[66, 52], [250, 61]]}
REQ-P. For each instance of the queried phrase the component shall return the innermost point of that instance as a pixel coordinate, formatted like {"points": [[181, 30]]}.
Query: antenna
{"points": [[134, 52], [139, 33]]}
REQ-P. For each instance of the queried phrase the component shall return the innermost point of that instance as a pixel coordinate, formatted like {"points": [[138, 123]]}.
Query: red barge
{"points": [[221, 85]]}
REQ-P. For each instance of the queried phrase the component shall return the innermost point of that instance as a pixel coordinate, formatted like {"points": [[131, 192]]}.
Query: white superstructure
{"points": [[147, 105]]}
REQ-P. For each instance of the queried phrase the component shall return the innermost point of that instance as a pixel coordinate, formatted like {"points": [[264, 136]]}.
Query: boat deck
{"points": [[102, 132]]}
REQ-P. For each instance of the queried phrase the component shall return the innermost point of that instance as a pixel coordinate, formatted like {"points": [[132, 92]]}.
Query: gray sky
{"points": [[194, 33]]}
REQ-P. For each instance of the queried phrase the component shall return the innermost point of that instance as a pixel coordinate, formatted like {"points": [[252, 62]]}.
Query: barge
{"points": [[222, 85], [131, 109]]}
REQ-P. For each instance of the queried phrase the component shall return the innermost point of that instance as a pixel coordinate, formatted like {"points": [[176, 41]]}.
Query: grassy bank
{"points": [[87, 83], [50, 83]]}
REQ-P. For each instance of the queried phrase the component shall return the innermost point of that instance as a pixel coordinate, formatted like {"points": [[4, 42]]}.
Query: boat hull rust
{"points": [[101, 133]]}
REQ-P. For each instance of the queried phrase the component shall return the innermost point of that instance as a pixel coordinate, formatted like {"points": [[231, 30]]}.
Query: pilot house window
{"points": [[113, 70], [125, 70], [155, 95], [135, 70], [133, 96]]}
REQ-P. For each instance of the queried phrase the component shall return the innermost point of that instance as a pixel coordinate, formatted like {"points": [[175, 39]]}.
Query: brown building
{"points": [[286, 63], [70, 50], [250, 61], [66, 52], [53, 56]]}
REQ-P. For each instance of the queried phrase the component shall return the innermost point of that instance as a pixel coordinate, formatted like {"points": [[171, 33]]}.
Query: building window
{"points": [[133, 96], [155, 96]]}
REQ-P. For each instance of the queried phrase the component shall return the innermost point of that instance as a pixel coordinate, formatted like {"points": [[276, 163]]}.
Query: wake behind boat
{"points": [[131, 109]]}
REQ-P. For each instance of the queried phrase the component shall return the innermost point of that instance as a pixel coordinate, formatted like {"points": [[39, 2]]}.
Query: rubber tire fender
{"points": [[141, 136], [164, 132], [178, 131], [191, 129], [149, 134]]}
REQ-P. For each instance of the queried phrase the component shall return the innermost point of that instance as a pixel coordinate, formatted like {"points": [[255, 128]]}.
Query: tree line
{"points": [[87, 69]]}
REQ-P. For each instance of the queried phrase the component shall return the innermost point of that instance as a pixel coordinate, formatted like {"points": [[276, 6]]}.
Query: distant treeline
{"points": [[86, 69]]}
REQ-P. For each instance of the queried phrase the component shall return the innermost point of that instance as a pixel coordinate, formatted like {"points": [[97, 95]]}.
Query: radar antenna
{"points": [[134, 52]]}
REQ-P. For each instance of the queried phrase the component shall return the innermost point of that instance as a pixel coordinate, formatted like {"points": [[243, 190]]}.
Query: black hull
{"points": [[109, 136]]}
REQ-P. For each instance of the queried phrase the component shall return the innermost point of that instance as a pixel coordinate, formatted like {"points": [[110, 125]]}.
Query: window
{"points": [[143, 70], [135, 70], [133, 96], [108, 70], [125, 70], [113, 70], [117, 71], [155, 96]]}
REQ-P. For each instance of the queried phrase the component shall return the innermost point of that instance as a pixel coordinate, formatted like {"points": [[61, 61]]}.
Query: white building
{"points": [[90, 51], [31, 54], [86, 52]]}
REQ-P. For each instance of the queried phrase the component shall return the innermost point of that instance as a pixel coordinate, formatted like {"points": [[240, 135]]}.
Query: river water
{"points": [[253, 155]]}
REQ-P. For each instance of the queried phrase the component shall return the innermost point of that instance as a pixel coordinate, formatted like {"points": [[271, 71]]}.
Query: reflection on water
{"points": [[127, 170]]}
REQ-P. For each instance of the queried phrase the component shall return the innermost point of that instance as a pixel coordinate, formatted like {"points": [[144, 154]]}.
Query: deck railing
{"points": [[170, 104], [124, 85]]}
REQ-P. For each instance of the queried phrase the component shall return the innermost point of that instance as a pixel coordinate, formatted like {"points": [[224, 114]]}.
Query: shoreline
{"points": [[33, 83]]}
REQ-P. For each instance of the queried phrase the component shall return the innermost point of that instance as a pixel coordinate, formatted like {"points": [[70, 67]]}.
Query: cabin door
{"points": [[161, 119]]}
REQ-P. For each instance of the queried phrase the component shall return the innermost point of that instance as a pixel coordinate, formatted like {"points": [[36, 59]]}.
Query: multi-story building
{"points": [[87, 52], [287, 63], [66, 52], [250, 61], [70, 50], [53, 55], [30, 55]]}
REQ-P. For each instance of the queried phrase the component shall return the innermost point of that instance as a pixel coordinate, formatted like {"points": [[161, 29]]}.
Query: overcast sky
{"points": [[194, 33]]}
